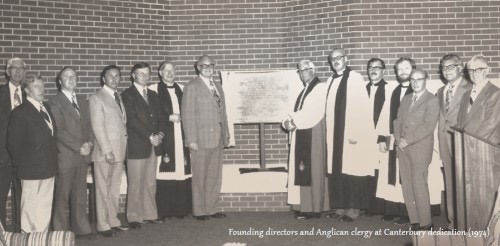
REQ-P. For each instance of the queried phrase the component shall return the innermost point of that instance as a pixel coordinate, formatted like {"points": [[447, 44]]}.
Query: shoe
{"points": [[388, 217], [302, 216], [346, 218], [155, 221], [426, 228], [135, 225], [218, 215], [333, 216], [120, 228], [108, 233], [86, 236], [201, 217], [180, 217], [414, 227], [402, 221]]}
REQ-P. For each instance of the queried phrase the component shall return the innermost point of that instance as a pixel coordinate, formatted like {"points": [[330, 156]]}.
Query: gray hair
{"points": [[29, 79]]}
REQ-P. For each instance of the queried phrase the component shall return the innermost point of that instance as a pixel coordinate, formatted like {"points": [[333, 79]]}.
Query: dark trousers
{"points": [[6, 179]]}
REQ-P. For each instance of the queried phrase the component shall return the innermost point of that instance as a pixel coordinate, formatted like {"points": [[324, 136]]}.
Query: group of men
{"points": [[46, 148], [366, 147]]}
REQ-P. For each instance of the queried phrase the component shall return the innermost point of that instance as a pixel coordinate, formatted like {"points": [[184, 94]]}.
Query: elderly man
{"points": [[351, 184], [414, 134], [449, 96], [204, 121], [144, 139], [480, 108], [173, 172], [307, 181], [32, 144], [108, 120], [11, 96], [75, 141]]}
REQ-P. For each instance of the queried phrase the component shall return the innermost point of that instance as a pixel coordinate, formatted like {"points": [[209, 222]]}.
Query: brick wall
{"points": [[242, 35]]}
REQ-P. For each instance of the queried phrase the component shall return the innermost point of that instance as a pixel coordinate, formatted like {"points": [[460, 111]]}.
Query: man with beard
{"points": [[449, 96], [307, 182], [347, 109]]}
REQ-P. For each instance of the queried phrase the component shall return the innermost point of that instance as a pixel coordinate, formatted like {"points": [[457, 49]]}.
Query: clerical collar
{"points": [[376, 83], [169, 86], [405, 84], [341, 72]]}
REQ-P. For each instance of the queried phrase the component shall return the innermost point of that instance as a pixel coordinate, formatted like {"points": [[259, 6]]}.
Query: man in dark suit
{"points": [[204, 121], [32, 146], [449, 96], [108, 120], [75, 141], [414, 134], [144, 139], [11, 96], [480, 107]]}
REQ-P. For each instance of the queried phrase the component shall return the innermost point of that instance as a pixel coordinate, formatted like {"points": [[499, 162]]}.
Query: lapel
{"points": [[463, 86], [139, 98], [67, 104], [110, 100], [6, 95], [440, 95], [207, 91], [38, 117], [419, 101], [481, 97]]}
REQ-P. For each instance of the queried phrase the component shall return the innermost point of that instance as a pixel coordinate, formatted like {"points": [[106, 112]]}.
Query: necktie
{"points": [[74, 104], [449, 96], [414, 100], [145, 95], [17, 99], [214, 92], [117, 100], [45, 115]]}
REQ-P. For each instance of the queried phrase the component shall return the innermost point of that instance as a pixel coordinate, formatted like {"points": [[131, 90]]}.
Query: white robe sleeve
{"points": [[313, 109]]}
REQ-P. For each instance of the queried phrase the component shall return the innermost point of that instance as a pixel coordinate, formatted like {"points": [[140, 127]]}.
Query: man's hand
{"points": [[193, 146], [110, 158], [402, 143], [85, 149], [174, 118], [156, 139], [382, 147]]}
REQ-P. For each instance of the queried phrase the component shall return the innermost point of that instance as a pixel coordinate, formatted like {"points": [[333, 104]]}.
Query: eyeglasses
{"points": [[206, 66], [417, 80], [449, 67], [476, 70], [142, 75], [71, 77], [304, 70], [337, 58], [376, 69]]}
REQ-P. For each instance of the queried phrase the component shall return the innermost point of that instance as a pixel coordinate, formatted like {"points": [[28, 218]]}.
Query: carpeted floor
{"points": [[217, 232]]}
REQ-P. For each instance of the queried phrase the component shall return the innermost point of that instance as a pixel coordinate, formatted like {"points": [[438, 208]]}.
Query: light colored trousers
{"points": [[36, 204], [141, 201], [107, 179]]}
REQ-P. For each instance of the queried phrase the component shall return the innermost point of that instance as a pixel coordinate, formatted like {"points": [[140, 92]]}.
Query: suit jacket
{"points": [[142, 121], [483, 119], [203, 121], [447, 119], [109, 126], [417, 124], [30, 142], [5, 109], [73, 129]]}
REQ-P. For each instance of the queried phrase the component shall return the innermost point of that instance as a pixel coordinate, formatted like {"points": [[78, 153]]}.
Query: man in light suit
{"points": [[108, 120], [11, 96], [204, 121], [32, 144], [449, 96], [75, 141], [414, 134], [144, 139], [480, 107]]}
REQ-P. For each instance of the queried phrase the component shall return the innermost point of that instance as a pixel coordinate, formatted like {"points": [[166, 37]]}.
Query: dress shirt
{"points": [[111, 91], [454, 90], [476, 89], [207, 83]]}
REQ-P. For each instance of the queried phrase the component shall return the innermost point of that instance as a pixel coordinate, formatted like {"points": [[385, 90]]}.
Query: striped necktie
{"points": [[449, 96], [17, 99], [75, 105], [214, 92], [45, 115]]}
